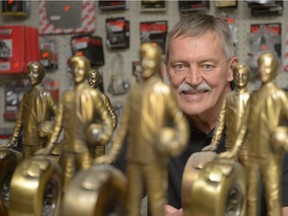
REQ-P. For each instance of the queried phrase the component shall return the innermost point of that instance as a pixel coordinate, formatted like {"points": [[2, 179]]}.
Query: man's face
{"points": [[78, 71], [195, 61], [34, 76]]}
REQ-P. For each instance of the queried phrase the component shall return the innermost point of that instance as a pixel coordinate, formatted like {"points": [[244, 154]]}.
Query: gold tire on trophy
{"points": [[9, 160], [218, 189], [36, 188], [98, 191]]}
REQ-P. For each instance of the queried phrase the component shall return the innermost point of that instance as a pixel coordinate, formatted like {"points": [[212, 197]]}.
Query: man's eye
{"points": [[179, 66], [208, 67]]}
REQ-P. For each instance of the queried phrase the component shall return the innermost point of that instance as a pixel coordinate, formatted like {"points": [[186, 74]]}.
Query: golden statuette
{"points": [[37, 105], [232, 112], [95, 79], [267, 109], [97, 191], [214, 187], [85, 122], [156, 130]]}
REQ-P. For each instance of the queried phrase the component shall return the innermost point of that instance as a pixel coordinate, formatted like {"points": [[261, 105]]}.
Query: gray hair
{"points": [[192, 25]]}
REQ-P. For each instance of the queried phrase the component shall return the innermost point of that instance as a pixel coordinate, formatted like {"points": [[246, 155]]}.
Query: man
{"points": [[37, 105], [156, 130], [267, 109], [199, 65], [232, 112], [80, 114]]}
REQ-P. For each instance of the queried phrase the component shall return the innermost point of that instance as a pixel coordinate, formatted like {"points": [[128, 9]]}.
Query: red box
{"points": [[19, 45]]}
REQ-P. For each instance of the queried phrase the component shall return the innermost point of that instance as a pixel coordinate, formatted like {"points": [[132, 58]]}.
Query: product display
{"points": [[154, 31], [16, 8], [265, 8], [118, 33], [264, 37], [194, 6], [14, 91], [49, 54], [112, 5], [66, 17], [19, 44], [226, 3], [90, 46], [154, 5]]}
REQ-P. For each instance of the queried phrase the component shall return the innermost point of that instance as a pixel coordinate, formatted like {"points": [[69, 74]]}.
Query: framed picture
{"points": [[152, 5]]}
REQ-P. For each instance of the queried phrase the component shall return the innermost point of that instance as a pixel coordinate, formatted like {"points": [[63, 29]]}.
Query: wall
{"points": [[135, 16]]}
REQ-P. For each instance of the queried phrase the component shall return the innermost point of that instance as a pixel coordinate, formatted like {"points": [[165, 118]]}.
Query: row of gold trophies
{"points": [[72, 176]]}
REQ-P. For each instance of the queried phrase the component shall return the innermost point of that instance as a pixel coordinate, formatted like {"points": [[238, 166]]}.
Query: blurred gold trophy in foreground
{"points": [[213, 186], [97, 191], [156, 130]]}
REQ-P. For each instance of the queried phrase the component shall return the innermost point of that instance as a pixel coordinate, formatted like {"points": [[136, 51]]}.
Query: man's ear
{"points": [[232, 63]]}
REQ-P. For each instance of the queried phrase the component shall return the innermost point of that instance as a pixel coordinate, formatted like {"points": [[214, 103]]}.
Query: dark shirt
{"points": [[176, 167], [198, 140]]}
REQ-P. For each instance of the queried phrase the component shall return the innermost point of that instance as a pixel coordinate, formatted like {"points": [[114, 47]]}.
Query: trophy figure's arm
{"points": [[117, 143], [17, 128], [56, 131], [182, 132], [110, 110], [218, 130]]}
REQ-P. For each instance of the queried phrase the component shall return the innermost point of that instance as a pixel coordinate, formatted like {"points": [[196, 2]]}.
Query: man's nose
{"points": [[194, 77]]}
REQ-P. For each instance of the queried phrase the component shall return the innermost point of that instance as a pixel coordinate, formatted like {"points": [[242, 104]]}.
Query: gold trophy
{"points": [[36, 188], [85, 121], [213, 186], [97, 191], [95, 79], [9, 161], [221, 182], [36, 106], [156, 130], [267, 109], [232, 112]]}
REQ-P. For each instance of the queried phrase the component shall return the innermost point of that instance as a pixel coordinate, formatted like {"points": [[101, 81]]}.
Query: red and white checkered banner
{"points": [[286, 51], [66, 17]]}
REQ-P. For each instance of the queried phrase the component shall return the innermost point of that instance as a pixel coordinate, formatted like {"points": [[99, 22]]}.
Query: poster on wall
{"points": [[66, 17], [264, 37]]}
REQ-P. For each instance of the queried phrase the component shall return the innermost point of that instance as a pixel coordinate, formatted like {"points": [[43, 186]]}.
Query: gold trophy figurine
{"points": [[232, 113], [37, 105], [267, 108], [156, 130], [85, 121], [94, 80]]}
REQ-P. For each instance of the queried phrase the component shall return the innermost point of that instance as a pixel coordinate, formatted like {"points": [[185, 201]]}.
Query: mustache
{"points": [[203, 86]]}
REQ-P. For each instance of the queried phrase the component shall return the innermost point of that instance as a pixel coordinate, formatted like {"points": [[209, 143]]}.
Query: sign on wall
{"points": [[66, 17]]}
